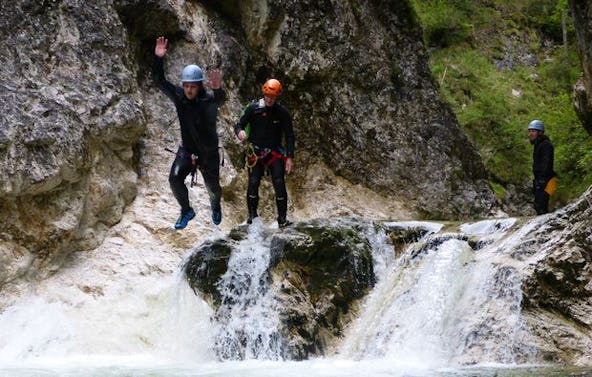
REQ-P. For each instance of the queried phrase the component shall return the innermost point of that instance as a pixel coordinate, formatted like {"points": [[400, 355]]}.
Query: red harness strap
{"points": [[269, 158]]}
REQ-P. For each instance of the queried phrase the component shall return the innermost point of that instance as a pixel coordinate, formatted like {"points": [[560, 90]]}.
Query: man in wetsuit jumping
{"points": [[197, 110]]}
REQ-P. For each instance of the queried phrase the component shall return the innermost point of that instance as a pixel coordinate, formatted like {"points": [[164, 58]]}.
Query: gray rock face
{"points": [[582, 16], [364, 102], [558, 288], [71, 118], [76, 98]]}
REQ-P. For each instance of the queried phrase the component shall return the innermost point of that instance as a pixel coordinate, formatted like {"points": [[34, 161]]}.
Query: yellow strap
{"points": [[551, 186], [250, 155]]}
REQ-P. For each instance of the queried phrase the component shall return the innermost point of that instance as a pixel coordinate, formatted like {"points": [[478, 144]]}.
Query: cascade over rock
{"points": [[316, 274], [524, 297]]}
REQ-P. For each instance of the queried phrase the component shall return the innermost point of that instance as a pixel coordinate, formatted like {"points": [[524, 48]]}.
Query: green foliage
{"points": [[482, 98], [549, 17], [495, 104], [573, 148], [444, 22], [498, 190]]}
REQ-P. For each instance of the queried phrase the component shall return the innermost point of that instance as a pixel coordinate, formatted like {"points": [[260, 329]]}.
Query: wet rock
{"points": [[557, 288], [317, 273], [403, 236]]}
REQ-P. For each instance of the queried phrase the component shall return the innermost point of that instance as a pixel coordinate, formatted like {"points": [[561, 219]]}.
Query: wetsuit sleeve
{"points": [[219, 96], [289, 135], [160, 80], [547, 161], [244, 120]]}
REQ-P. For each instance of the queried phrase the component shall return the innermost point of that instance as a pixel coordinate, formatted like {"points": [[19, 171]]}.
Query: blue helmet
{"points": [[192, 73], [537, 125]]}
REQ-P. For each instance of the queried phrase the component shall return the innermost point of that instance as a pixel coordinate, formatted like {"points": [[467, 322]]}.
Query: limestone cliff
{"points": [[83, 132], [72, 115], [83, 129]]}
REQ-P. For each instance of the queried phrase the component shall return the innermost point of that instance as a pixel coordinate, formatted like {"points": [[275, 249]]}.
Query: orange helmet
{"points": [[272, 87]]}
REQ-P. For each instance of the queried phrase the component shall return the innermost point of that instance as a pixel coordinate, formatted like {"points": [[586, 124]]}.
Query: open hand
{"points": [[289, 165], [215, 79], [161, 47]]}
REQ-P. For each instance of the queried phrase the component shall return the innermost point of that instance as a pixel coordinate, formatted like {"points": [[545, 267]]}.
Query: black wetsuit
{"points": [[542, 168], [268, 126], [197, 119]]}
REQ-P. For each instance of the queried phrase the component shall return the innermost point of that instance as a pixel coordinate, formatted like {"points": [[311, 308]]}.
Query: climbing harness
{"points": [[250, 156], [267, 156], [194, 162]]}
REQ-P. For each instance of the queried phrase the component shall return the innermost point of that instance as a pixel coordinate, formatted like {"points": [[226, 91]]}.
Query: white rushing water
{"points": [[248, 319], [436, 307]]}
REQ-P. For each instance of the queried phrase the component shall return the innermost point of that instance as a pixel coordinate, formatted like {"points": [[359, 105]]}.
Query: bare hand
{"points": [[289, 165], [242, 135], [215, 79], [161, 47]]}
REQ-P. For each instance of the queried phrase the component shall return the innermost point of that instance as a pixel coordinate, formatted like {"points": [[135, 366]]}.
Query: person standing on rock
{"points": [[264, 124], [197, 110], [545, 180]]}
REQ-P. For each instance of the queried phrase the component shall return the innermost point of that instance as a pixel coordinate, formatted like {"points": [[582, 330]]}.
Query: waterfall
{"points": [[444, 303], [450, 299], [247, 322]]}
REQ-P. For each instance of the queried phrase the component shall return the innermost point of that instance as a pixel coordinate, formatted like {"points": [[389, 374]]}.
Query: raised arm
{"points": [[214, 82], [158, 68]]}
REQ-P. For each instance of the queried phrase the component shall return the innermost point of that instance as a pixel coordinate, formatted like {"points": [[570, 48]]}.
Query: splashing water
{"points": [[154, 321], [442, 304], [247, 322], [438, 306]]}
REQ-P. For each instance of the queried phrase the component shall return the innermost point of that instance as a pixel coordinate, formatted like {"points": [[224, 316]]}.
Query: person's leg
{"points": [[541, 202], [255, 175], [541, 198], [281, 195], [179, 170], [210, 171]]}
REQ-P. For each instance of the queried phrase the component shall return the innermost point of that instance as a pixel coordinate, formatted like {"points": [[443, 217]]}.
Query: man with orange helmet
{"points": [[265, 124]]}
